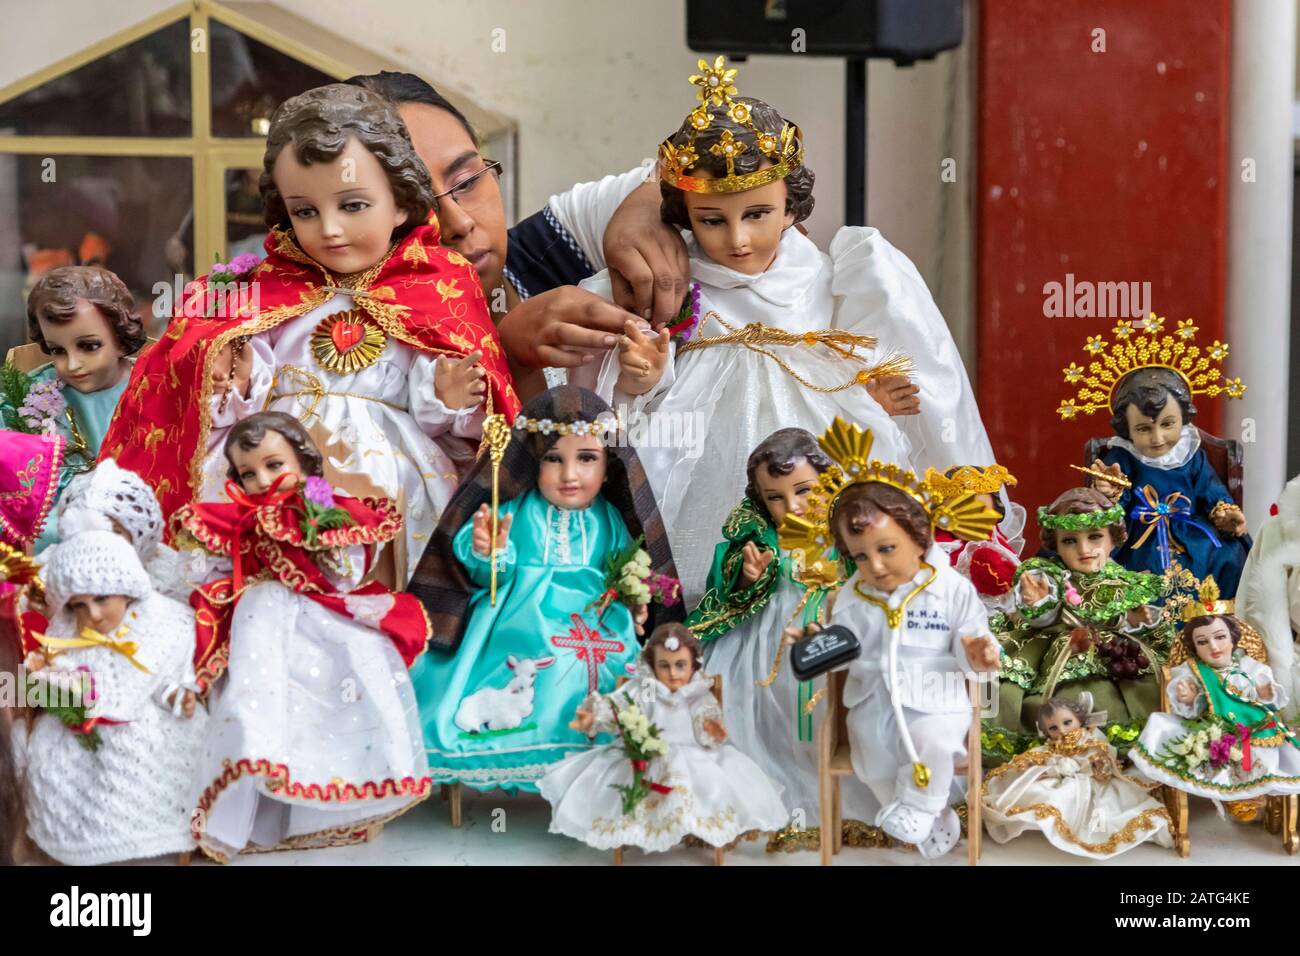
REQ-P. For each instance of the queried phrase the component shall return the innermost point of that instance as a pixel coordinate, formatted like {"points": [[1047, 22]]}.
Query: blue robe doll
{"points": [[501, 682], [1172, 497]]}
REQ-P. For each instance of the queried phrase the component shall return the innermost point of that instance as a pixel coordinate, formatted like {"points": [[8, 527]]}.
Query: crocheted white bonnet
{"points": [[93, 562], [120, 495]]}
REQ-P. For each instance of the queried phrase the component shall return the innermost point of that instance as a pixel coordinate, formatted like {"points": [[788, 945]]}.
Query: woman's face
{"points": [[473, 224], [572, 471], [786, 494], [1060, 722], [343, 212], [99, 612], [84, 349], [1084, 551], [740, 230], [1213, 643], [257, 468], [884, 552]]}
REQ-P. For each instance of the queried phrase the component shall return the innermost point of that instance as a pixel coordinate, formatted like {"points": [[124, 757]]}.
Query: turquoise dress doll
{"points": [[502, 680]]}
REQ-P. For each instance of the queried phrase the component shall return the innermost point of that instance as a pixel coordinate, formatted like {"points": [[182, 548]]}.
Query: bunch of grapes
{"points": [[1124, 658]]}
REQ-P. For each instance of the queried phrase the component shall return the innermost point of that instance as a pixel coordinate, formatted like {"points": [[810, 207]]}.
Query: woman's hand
{"points": [[460, 383], [565, 328], [641, 358], [648, 266], [481, 536], [754, 561]]}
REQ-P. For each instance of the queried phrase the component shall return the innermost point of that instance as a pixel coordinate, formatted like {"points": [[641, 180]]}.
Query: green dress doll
{"points": [[1081, 623], [84, 318]]}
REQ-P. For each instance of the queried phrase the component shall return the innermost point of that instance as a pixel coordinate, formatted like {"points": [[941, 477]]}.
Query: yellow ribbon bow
{"points": [[92, 638]]}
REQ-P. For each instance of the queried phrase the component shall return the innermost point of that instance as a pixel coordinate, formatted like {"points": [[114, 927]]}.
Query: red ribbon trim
{"points": [[272, 497]]}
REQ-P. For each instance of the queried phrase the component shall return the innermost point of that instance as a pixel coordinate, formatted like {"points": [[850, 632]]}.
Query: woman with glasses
{"points": [[530, 272]]}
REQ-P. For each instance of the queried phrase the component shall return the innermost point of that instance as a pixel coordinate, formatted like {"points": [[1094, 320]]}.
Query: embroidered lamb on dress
{"points": [[506, 707]]}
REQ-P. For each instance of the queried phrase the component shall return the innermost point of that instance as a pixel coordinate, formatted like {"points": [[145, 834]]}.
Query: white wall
{"points": [[596, 84]]}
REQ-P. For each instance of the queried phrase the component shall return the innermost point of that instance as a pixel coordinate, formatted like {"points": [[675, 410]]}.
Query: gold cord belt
{"points": [[312, 387], [843, 344]]}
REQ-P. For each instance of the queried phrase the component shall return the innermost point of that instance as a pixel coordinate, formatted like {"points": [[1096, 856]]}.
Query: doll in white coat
{"points": [[118, 784], [694, 783], [1072, 789]]}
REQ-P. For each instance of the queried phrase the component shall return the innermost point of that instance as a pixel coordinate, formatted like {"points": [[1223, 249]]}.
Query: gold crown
{"points": [[808, 536], [717, 85], [18, 569], [970, 480], [1177, 352], [1207, 601]]}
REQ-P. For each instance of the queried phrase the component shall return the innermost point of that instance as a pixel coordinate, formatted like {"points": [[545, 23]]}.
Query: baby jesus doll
{"points": [[360, 325], [671, 772], [315, 738], [1223, 736]]}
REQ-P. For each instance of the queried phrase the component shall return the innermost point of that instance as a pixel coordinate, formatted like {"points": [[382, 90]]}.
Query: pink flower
{"points": [[244, 263], [318, 492]]}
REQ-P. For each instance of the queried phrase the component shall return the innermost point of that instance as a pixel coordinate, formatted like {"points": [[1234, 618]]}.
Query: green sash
{"points": [[1263, 720]]}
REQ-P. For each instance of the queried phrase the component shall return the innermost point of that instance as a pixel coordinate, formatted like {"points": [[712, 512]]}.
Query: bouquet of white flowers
{"points": [[641, 743], [628, 579]]}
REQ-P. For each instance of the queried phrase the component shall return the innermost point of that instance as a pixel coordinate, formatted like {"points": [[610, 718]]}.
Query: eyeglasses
{"points": [[471, 192]]}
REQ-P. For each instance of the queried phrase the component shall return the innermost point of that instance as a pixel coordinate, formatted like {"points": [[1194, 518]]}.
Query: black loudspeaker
{"points": [[901, 30]]}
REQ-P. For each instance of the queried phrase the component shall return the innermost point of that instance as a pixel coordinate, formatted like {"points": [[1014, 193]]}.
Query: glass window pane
{"points": [[245, 226], [128, 214], [141, 89], [250, 79]]}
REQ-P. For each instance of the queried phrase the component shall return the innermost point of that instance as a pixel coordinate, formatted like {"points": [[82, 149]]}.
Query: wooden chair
{"points": [[1225, 456], [718, 851], [834, 760], [1281, 812]]}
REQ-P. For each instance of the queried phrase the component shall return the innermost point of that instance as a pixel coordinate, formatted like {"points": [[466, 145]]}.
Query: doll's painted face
{"points": [[674, 669], [343, 211], [1157, 436], [84, 349], [740, 230], [1084, 551], [258, 467], [572, 471], [786, 494], [473, 222], [1213, 643], [884, 552], [99, 612], [1060, 722]]}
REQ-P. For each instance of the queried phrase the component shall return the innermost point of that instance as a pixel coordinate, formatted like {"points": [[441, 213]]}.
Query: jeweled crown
{"points": [[970, 480]]}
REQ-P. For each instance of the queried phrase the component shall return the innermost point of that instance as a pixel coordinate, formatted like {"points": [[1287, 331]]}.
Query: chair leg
{"points": [[618, 856], [718, 853], [1176, 803], [453, 796], [825, 808], [1290, 823], [837, 813], [183, 859]]}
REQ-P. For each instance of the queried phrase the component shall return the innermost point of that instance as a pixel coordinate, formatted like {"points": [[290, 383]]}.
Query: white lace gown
{"points": [[315, 734], [133, 797], [382, 430], [717, 792], [1059, 795], [714, 405], [765, 722]]}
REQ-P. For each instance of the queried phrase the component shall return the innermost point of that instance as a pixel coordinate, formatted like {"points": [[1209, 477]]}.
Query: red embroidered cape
{"points": [[263, 538], [420, 294]]}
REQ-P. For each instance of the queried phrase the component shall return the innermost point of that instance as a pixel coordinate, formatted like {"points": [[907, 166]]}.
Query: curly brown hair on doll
{"points": [[54, 298], [1149, 390], [317, 125], [248, 433], [1191, 626], [1081, 710], [664, 632], [860, 504], [798, 184], [1082, 501], [781, 453]]}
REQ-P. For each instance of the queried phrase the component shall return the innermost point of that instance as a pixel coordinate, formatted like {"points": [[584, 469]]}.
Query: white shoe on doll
{"points": [[905, 823], [943, 835]]}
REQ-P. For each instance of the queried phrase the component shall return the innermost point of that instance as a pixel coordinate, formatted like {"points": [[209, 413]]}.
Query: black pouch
{"points": [[824, 651]]}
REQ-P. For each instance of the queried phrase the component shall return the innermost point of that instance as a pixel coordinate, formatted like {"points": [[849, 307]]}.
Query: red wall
{"points": [[1110, 166]]}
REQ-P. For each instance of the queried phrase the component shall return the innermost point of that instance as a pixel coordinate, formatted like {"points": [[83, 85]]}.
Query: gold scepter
{"points": [[496, 432]]}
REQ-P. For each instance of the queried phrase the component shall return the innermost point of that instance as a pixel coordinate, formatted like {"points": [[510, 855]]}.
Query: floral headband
{"points": [[1084, 522]]}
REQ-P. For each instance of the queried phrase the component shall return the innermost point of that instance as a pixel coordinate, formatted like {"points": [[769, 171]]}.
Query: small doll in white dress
{"points": [[1223, 736], [1073, 789], [110, 769], [671, 773]]}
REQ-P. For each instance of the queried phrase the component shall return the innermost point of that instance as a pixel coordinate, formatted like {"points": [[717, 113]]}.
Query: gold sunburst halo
{"points": [[347, 342]]}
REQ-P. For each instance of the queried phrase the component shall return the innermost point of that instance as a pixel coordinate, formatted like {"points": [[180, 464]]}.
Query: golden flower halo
{"points": [[970, 479], [717, 87], [1111, 364], [849, 447]]}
